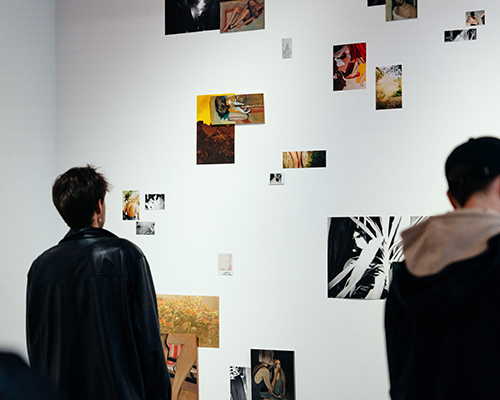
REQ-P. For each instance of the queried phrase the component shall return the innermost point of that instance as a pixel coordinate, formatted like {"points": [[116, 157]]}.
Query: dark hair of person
{"points": [[465, 180], [76, 194]]}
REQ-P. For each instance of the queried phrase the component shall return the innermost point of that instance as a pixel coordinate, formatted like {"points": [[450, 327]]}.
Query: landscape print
{"points": [[389, 87]]}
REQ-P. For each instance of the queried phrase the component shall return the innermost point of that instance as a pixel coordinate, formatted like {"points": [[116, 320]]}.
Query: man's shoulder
{"points": [[88, 247]]}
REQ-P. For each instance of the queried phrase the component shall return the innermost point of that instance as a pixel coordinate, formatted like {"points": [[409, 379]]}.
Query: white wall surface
{"points": [[27, 152], [126, 101]]}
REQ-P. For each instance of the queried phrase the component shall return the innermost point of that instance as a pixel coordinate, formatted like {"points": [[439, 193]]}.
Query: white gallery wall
{"points": [[126, 101], [27, 152]]}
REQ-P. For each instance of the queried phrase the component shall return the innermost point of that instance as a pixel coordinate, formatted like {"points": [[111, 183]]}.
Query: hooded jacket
{"points": [[443, 309], [92, 320]]}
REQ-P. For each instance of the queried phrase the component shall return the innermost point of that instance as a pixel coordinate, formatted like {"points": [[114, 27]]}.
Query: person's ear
{"points": [[453, 202], [98, 209]]}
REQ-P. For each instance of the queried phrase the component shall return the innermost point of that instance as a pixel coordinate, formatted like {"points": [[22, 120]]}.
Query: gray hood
{"points": [[444, 239]]}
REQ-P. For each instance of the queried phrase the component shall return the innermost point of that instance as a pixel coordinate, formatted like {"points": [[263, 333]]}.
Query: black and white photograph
{"points": [[286, 48], [144, 228], [240, 380], [154, 202], [460, 35], [276, 179], [182, 16], [360, 253]]}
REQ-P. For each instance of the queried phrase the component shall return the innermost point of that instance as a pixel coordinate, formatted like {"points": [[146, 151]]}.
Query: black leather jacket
{"points": [[92, 319]]}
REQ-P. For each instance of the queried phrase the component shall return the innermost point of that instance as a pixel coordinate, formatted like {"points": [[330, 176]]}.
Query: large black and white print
{"points": [[360, 253]]}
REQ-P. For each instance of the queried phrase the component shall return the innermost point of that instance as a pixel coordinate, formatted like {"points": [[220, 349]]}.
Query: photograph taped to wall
{"points": [[240, 382], [239, 16], [144, 228], [225, 266], [237, 109], [131, 205], [475, 18], [276, 366], [349, 66], [183, 16], [360, 253], [304, 159], [154, 201], [389, 87], [197, 315], [397, 10], [286, 48], [276, 179], [214, 143], [460, 35], [181, 355]]}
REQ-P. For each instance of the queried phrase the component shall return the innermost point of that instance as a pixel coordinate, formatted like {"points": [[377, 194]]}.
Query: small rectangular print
{"points": [[240, 381], [460, 35], [286, 48], [144, 228], [238, 16], [304, 159], [349, 66], [154, 201], [475, 18], [389, 87], [276, 366], [237, 109], [225, 264], [397, 10], [131, 205]]}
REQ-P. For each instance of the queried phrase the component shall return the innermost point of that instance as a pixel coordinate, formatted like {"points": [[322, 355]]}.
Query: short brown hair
{"points": [[76, 194]]}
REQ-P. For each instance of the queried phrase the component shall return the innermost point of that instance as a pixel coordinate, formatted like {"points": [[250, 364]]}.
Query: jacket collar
{"points": [[86, 233]]}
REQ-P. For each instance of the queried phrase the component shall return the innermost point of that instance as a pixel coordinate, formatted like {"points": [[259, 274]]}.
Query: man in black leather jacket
{"points": [[92, 319]]}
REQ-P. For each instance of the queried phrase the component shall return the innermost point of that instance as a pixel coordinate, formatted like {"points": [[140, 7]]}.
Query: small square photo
{"points": [[276, 179]]}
